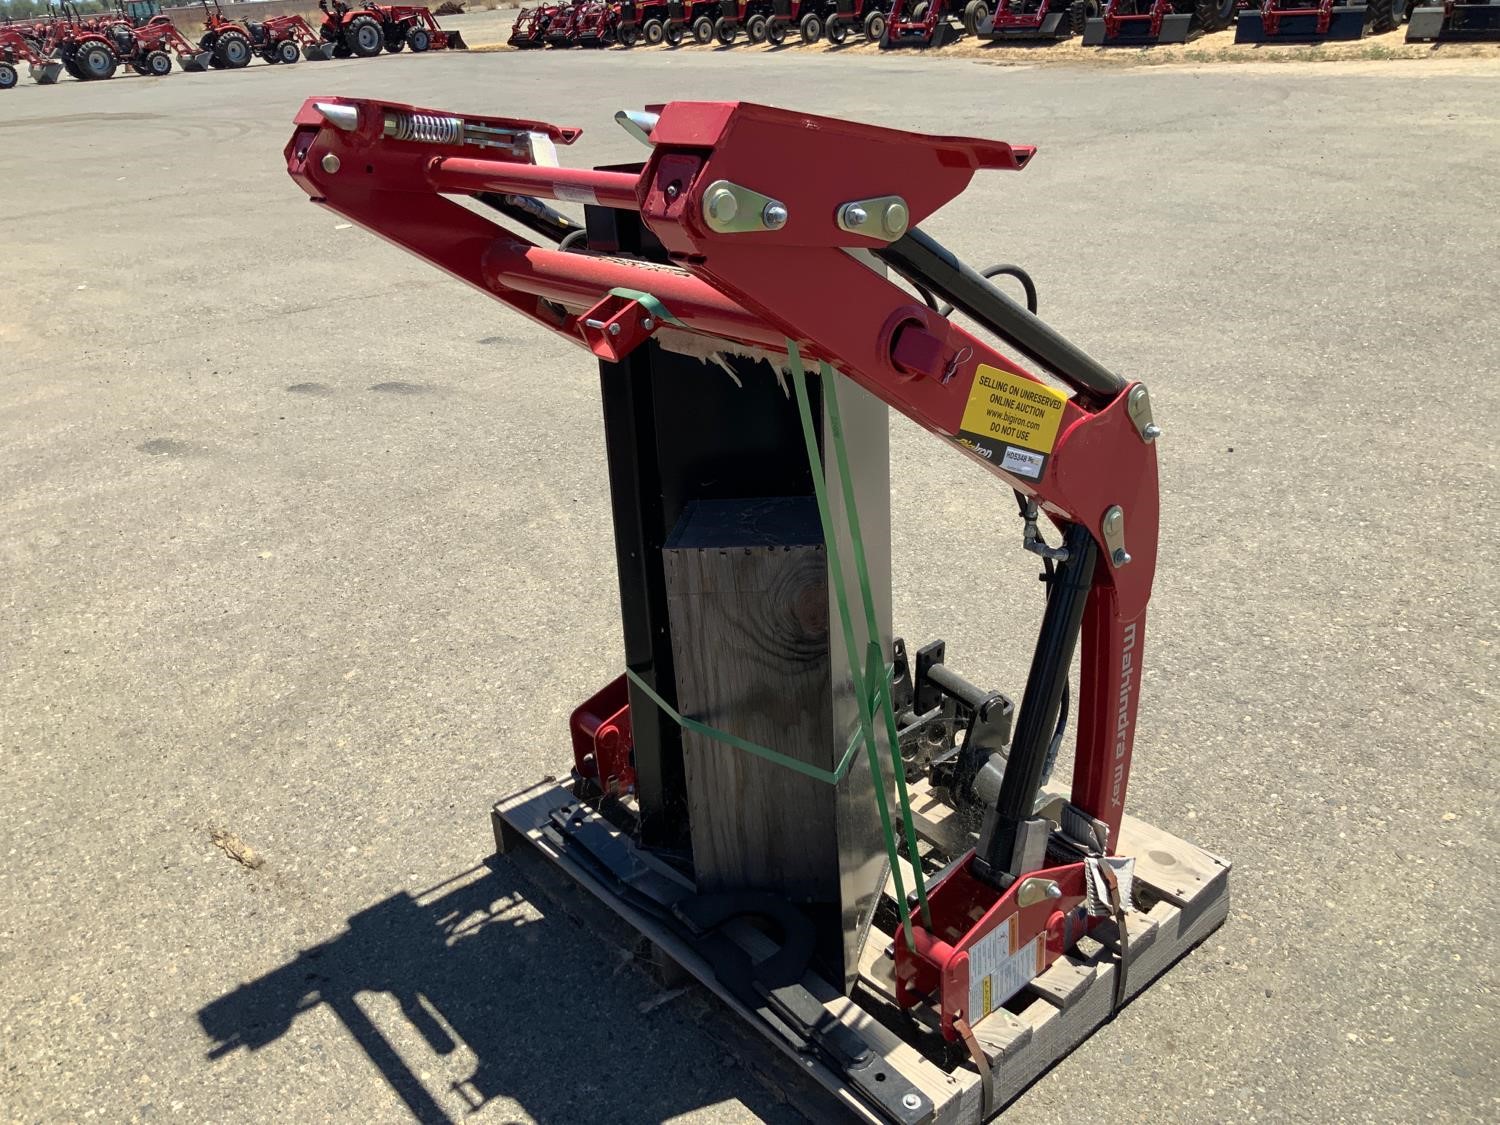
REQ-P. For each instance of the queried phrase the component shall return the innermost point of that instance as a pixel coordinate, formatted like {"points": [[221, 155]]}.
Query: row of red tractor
{"points": [[932, 23], [138, 37]]}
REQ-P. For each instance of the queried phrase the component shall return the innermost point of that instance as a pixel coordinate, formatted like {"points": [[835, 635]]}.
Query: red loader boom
{"points": [[16, 48]]}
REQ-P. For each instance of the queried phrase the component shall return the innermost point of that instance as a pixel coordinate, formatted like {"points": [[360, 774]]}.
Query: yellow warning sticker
{"points": [[1009, 410]]}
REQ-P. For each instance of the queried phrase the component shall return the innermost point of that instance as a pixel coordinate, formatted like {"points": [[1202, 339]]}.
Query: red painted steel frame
{"points": [[762, 287]]}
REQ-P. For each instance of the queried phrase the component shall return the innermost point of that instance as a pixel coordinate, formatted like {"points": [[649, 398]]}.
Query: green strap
{"points": [[648, 302]]}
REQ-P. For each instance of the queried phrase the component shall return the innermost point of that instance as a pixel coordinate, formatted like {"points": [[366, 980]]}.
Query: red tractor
{"points": [[598, 24], [869, 16], [807, 16], [407, 25], [753, 17], [83, 49], [15, 48], [642, 21], [285, 39], [352, 31], [148, 48], [697, 16], [227, 43], [562, 30]]}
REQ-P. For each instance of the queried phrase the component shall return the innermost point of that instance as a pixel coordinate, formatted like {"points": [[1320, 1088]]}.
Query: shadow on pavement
{"points": [[535, 1001]]}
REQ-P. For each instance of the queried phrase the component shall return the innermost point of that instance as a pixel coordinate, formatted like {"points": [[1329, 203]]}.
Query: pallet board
{"points": [[1182, 896]]}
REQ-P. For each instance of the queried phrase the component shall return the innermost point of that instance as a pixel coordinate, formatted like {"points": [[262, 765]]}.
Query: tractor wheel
{"points": [[627, 37], [975, 13], [70, 64], [1212, 15], [703, 31], [673, 34], [96, 62], [755, 29], [811, 28], [1380, 15], [776, 33], [418, 39], [725, 32], [653, 32], [919, 11], [8, 76], [837, 31], [232, 51], [874, 26], [364, 36], [158, 64], [287, 52], [395, 46]]}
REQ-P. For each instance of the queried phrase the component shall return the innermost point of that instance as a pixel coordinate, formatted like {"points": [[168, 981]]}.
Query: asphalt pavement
{"points": [[305, 555]]}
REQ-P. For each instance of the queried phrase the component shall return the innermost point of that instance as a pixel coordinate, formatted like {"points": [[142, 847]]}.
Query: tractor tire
{"points": [[837, 31], [919, 12], [653, 32], [975, 13], [1213, 15], [874, 26], [811, 28], [418, 39], [232, 51], [157, 64], [776, 33], [725, 32], [755, 29], [627, 37], [287, 52], [395, 46], [364, 36], [673, 34], [8, 76], [703, 31], [1380, 15], [96, 62]]}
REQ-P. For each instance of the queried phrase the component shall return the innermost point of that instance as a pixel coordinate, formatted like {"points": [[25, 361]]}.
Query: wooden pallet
{"points": [[1182, 895]]}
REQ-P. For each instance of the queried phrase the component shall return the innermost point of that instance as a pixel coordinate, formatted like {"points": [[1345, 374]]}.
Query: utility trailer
{"points": [[1452, 21], [854, 846], [1306, 21]]}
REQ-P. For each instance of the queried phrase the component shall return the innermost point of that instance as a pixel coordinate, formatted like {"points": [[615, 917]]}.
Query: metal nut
{"points": [[855, 215], [330, 163], [911, 1101], [774, 215]]}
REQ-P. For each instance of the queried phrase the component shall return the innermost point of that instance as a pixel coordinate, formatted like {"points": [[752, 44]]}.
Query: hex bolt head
{"points": [[895, 218], [721, 205], [614, 329], [1151, 432], [774, 215], [1120, 557], [648, 324], [330, 163], [911, 1101], [855, 215]]}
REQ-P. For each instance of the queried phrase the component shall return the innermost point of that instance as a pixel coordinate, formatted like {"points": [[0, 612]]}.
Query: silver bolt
{"points": [[895, 218], [722, 205], [648, 324], [330, 163], [911, 1101], [1053, 891], [773, 215], [614, 329], [1151, 432], [855, 215], [1121, 556]]}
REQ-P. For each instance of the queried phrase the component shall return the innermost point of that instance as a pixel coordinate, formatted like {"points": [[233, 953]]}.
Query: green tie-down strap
{"points": [[871, 676]]}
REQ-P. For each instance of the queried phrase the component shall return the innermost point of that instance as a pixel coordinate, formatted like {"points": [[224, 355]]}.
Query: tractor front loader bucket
{"points": [[196, 62], [1316, 23], [1054, 26], [318, 52], [47, 72], [1454, 22], [919, 34], [1138, 25], [456, 41]]}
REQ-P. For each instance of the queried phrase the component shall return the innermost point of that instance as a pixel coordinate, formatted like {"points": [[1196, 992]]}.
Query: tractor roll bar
{"points": [[922, 260]]}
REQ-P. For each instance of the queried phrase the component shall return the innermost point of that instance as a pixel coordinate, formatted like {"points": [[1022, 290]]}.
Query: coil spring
{"points": [[428, 128]]}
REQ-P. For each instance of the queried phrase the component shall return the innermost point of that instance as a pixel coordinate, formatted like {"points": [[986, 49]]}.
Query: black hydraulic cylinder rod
{"points": [[1050, 662], [929, 264], [958, 687]]}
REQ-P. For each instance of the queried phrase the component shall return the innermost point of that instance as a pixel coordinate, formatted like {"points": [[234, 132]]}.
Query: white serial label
{"points": [[572, 194], [995, 973], [1022, 463]]}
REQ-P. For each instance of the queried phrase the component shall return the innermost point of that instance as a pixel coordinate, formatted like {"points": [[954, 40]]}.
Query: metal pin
{"points": [[774, 215], [345, 117], [330, 163]]}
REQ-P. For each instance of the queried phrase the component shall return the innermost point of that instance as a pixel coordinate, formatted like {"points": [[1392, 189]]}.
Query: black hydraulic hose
{"points": [[926, 263], [1006, 270]]}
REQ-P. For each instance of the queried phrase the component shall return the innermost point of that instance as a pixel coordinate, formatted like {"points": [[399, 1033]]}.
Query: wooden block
{"points": [[1064, 981], [1176, 870]]}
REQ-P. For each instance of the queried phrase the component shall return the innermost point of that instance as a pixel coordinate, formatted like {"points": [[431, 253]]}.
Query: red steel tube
{"points": [[579, 280], [577, 185]]}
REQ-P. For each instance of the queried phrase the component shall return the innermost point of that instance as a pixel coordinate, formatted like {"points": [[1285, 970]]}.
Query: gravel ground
{"points": [[306, 557]]}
